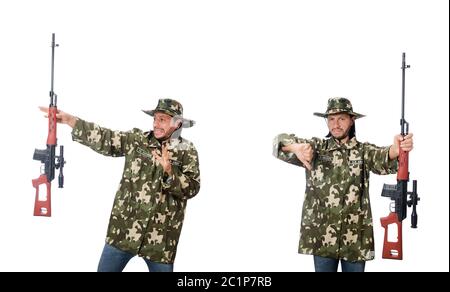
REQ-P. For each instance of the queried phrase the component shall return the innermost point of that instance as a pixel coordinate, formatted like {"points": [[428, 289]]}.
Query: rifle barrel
{"points": [[52, 93], [403, 122]]}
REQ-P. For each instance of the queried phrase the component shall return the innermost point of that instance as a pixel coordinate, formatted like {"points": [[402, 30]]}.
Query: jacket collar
{"points": [[333, 145], [153, 142]]}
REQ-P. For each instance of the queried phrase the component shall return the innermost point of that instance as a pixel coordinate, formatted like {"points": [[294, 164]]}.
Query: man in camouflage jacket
{"points": [[336, 220], [161, 173]]}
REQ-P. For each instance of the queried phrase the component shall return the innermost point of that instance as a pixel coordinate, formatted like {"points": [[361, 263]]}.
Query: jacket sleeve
{"points": [[377, 160], [286, 139], [184, 183], [102, 140]]}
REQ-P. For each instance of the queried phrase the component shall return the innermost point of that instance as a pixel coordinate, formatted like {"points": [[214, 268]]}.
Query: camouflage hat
{"points": [[173, 108], [338, 105]]}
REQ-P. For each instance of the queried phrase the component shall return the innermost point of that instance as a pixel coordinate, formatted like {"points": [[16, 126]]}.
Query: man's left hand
{"points": [[401, 142], [164, 159]]}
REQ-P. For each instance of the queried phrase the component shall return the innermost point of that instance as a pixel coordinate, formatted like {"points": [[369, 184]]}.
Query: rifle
{"points": [[48, 156], [399, 192]]}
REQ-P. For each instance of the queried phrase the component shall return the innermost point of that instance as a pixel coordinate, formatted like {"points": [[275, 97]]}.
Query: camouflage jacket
{"points": [[336, 218], [149, 206]]}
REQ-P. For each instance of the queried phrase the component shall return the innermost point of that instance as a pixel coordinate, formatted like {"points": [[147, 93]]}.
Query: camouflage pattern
{"points": [[149, 206], [338, 105], [172, 108], [336, 219]]}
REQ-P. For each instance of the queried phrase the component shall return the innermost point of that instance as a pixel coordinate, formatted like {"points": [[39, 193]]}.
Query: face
{"points": [[164, 125], [339, 125]]}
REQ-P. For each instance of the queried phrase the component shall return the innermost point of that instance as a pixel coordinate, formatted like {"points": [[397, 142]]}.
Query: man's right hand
{"points": [[303, 151], [62, 117]]}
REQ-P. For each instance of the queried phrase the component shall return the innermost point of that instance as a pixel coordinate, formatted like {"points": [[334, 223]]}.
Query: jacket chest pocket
{"points": [[355, 167], [355, 163], [322, 165], [176, 161], [133, 166], [324, 159]]}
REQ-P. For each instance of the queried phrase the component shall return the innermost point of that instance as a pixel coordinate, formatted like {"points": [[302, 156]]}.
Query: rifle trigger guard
{"points": [[392, 206]]}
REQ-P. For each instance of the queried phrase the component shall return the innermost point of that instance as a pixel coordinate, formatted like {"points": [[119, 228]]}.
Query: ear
{"points": [[178, 122]]}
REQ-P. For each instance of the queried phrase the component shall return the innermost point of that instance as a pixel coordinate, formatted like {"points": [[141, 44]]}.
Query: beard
{"points": [[340, 135], [170, 134]]}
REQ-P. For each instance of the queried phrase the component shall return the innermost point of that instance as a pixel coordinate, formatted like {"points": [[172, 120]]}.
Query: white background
{"points": [[245, 71]]}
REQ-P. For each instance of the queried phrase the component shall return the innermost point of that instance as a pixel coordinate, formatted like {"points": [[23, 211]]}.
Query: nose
{"points": [[333, 123], [155, 122]]}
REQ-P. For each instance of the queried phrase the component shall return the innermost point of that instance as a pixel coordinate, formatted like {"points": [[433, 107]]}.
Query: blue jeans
{"points": [[322, 264], [115, 260]]}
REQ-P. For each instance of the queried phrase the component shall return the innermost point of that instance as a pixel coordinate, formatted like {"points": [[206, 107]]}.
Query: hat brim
{"points": [[325, 115], [186, 122]]}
